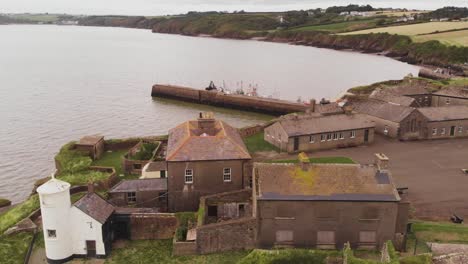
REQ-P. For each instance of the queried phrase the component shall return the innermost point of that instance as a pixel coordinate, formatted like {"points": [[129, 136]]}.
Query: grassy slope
{"points": [[159, 251], [457, 38], [341, 26], [13, 248], [415, 29], [111, 159], [257, 143]]}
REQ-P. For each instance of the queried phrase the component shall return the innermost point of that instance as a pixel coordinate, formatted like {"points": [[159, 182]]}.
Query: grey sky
{"points": [[162, 7]]}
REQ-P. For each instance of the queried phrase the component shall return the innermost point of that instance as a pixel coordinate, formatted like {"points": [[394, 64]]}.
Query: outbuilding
{"points": [[93, 145], [142, 193]]}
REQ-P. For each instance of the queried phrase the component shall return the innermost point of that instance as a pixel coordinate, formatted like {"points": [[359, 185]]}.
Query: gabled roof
{"points": [[329, 109], [95, 206], [383, 110], [445, 113], [459, 92], [412, 88], [323, 182], [382, 95], [191, 142], [313, 124], [90, 140], [140, 185]]}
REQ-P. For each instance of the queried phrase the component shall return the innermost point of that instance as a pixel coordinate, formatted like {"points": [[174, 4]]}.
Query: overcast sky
{"points": [[163, 7]]}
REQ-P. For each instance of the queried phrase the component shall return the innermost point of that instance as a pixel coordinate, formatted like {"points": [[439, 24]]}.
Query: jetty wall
{"points": [[242, 102]]}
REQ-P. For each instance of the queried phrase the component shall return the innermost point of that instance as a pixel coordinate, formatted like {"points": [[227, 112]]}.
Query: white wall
{"points": [[85, 228]]}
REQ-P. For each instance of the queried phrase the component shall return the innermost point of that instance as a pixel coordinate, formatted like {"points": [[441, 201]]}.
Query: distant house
{"points": [[392, 120], [450, 96], [326, 205], [445, 122], [93, 145], [142, 193], [79, 230], [204, 156], [316, 132], [383, 95]]}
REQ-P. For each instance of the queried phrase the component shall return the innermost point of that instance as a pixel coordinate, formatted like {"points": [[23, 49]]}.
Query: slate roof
{"points": [[187, 142], [90, 140], [156, 166], [409, 89], [445, 113], [392, 98], [140, 185], [95, 206], [459, 92], [329, 109], [324, 182], [313, 124], [383, 110]]}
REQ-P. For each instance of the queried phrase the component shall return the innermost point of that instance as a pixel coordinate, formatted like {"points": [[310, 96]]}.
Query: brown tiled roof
{"points": [[90, 140], [95, 206], [326, 182], [308, 125], [392, 98], [187, 142], [445, 113], [383, 110], [460, 92], [140, 185]]}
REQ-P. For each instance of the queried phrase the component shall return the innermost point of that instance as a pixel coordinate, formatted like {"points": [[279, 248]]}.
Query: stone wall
{"points": [[152, 226], [230, 235], [251, 130], [229, 205], [183, 248]]}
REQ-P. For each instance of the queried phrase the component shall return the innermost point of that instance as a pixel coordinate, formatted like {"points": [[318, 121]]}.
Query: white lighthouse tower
{"points": [[55, 202]]}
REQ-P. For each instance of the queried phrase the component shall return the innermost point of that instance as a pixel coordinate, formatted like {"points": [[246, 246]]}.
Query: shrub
{"points": [[72, 161]]}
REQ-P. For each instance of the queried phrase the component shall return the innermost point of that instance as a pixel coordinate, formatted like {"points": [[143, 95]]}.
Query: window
{"points": [[329, 137], [442, 132], [311, 139], [335, 136], [51, 233], [188, 176], [353, 134], [137, 166], [322, 137], [212, 210], [447, 101], [367, 237], [227, 174], [284, 236], [434, 131], [341, 135], [326, 238], [460, 129], [131, 197]]}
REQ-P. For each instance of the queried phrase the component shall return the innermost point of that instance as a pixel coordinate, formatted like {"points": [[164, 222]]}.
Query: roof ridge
{"points": [[235, 144]]}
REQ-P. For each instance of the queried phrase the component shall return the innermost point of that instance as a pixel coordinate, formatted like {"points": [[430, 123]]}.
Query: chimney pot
{"points": [[90, 187], [381, 160]]}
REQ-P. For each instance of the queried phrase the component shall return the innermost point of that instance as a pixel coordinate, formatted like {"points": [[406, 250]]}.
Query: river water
{"points": [[59, 83]]}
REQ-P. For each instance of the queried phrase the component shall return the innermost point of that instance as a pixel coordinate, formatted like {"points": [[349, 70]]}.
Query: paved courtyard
{"points": [[430, 169]]}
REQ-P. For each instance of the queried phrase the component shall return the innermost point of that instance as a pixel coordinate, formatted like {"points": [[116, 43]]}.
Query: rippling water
{"points": [[60, 83]]}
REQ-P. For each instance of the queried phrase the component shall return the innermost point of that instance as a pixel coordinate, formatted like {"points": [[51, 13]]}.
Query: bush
{"points": [[72, 161], [186, 220]]}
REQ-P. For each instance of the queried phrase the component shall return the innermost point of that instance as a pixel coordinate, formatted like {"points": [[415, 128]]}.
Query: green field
{"points": [[416, 29], [341, 27], [457, 38]]}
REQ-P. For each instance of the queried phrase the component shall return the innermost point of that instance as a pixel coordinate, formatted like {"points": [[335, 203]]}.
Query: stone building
{"points": [[445, 122], [392, 120], [450, 96], [204, 156], [93, 145], [142, 193], [317, 132], [327, 205]]}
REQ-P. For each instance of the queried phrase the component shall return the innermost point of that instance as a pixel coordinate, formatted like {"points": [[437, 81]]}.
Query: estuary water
{"points": [[59, 83]]}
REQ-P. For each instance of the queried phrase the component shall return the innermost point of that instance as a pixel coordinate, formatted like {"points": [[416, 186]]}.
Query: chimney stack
{"points": [[90, 187], [206, 120], [312, 105], [381, 161]]}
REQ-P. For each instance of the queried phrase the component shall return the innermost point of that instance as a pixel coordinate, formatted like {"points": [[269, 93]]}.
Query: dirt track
{"points": [[430, 169]]}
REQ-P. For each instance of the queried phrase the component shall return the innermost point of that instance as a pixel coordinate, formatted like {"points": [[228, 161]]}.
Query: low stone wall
{"points": [[231, 235], [251, 130], [110, 181], [183, 248], [227, 204], [152, 226]]}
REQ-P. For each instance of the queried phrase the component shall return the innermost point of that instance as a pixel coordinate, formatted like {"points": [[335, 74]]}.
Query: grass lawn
{"points": [[415, 29], [257, 143], [84, 177], [159, 251], [341, 27], [290, 256], [457, 38], [112, 159], [13, 248], [18, 213], [320, 160], [441, 232]]}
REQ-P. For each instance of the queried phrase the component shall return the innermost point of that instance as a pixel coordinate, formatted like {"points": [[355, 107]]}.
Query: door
{"points": [[163, 174], [90, 248], [296, 144], [452, 131], [366, 135]]}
